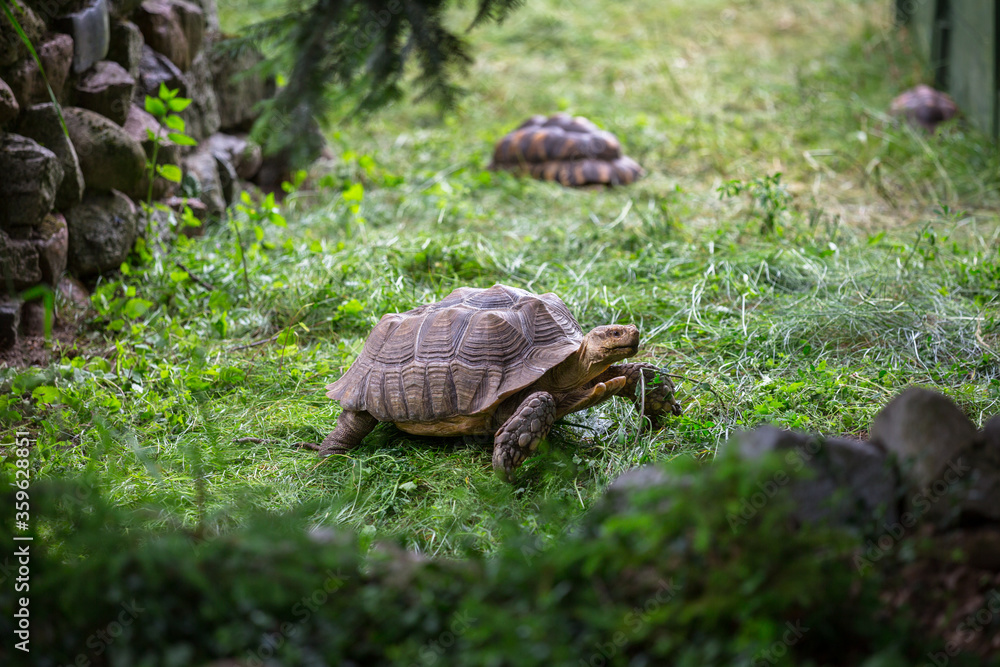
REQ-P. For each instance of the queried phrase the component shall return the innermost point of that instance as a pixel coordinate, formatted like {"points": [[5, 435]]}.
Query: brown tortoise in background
{"points": [[571, 151], [924, 106], [499, 361]]}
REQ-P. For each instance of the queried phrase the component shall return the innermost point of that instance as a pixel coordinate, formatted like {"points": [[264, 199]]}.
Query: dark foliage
{"points": [[662, 579]]}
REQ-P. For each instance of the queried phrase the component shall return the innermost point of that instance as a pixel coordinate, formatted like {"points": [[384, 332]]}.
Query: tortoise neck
{"points": [[577, 368]]}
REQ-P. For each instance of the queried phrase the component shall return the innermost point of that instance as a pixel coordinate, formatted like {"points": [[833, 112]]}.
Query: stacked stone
{"points": [[73, 203]]}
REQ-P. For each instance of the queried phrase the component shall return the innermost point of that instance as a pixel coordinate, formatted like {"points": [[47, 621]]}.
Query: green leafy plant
{"points": [[767, 194], [165, 108]]}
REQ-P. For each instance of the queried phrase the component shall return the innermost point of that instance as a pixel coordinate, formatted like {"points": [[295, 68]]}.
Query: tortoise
{"points": [[571, 151], [499, 361], [924, 106]]}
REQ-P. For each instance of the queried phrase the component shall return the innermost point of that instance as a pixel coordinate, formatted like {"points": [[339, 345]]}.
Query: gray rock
{"points": [[126, 47], [41, 123], [926, 431], [154, 69], [12, 48], [245, 155], [203, 166], [10, 322], [174, 28], [239, 87], [211, 12], [853, 482], [33, 319], [31, 176], [228, 179], [102, 231], [73, 300], [91, 31], [638, 478], [981, 498], [9, 107], [202, 115], [18, 263], [109, 157], [26, 80], [107, 89], [51, 239]]}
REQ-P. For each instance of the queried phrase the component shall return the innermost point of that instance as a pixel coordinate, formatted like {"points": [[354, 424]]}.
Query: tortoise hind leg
{"points": [[351, 429], [519, 436]]}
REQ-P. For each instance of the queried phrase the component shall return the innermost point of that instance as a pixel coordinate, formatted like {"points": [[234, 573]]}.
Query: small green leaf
{"points": [[165, 93], [171, 172], [178, 276], [352, 307], [179, 104], [181, 139], [155, 107], [174, 122], [258, 232], [136, 308], [277, 219], [354, 193]]}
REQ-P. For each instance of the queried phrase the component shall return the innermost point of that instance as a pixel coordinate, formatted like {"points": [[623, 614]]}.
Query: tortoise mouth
{"points": [[623, 350]]}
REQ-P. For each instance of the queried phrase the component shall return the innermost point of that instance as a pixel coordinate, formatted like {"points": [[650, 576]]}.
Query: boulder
{"points": [[203, 167], [107, 89], [981, 498], [239, 87], [10, 322], [852, 481], [126, 46], [211, 11], [12, 48], [51, 239], [109, 157], [238, 150], [90, 29], [926, 432], [73, 300], [202, 115], [27, 82], [228, 179], [102, 231], [31, 176], [121, 9], [154, 69], [9, 108], [18, 263], [33, 319], [41, 123], [174, 28]]}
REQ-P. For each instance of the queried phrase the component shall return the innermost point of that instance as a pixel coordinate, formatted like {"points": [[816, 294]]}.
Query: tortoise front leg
{"points": [[519, 436], [658, 399], [351, 429]]}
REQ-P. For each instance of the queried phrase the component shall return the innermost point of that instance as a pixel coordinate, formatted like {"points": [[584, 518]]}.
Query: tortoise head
{"points": [[609, 344]]}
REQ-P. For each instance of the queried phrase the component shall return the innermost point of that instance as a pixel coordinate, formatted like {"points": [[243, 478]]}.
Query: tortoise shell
{"points": [[460, 356], [571, 151], [924, 106]]}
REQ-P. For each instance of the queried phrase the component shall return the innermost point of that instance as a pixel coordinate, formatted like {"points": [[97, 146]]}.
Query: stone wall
{"points": [[75, 203]]}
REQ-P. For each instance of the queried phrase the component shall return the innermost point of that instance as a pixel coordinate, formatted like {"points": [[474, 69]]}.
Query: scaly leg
{"points": [[519, 436], [658, 399], [351, 429]]}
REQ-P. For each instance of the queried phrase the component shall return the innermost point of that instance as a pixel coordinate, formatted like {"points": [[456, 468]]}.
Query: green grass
{"points": [[882, 273]]}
